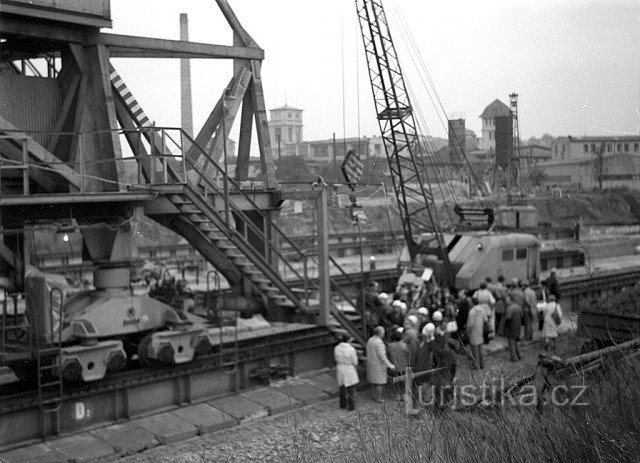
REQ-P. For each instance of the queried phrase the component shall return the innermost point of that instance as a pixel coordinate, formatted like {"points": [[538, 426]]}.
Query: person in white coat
{"points": [[377, 363], [552, 320], [346, 362]]}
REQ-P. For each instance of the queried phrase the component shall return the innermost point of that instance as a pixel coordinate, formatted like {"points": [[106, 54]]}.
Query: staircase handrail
{"points": [[248, 222]]}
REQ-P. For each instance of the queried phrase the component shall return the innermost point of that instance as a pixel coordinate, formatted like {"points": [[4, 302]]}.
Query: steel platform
{"points": [[298, 348]]}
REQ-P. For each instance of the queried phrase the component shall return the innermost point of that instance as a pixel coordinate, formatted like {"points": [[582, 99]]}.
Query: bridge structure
{"points": [[79, 155]]}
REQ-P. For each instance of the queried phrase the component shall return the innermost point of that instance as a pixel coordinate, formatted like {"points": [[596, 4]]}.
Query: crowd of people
{"points": [[427, 328]]}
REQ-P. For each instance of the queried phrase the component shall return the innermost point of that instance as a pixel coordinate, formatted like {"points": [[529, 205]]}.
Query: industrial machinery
{"points": [[462, 259]]}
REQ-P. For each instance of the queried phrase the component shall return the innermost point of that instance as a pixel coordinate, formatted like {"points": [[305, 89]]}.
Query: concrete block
{"points": [[327, 382], [126, 438], [272, 400], [240, 408], [83, 447], [302, 391], [167, 427], [206, 418], [41, 453]]}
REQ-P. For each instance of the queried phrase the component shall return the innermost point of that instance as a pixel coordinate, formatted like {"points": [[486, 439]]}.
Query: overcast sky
{"points": [[575, 64]]}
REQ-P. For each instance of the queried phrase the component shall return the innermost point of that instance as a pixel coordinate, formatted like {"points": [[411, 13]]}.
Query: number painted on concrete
{"points": [[80, 411]]}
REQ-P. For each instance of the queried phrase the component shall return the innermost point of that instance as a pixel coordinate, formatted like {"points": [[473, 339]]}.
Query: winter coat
{"points": [[484, 296], [377, 361], [346, 362], [550, 329], [423, 360], [517, 295], [443, 357], [531, 302], [410, 337], [554, 286], [475, 324], [513, 320], [399, 354]]}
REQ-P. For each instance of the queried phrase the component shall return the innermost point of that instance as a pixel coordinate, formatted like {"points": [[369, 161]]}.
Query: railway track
{"points": [[145, 390]]}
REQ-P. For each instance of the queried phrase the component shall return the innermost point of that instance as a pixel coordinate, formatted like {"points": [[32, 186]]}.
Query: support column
{"points": [[323, 257]]}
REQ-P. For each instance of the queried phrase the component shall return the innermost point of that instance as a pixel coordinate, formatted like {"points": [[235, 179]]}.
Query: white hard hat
{"points": [[452, 327], [437, 316], [423, 311], [397, 303], [403, 305], [383, 296], [400, 330], [413, 319], [428, 329]]}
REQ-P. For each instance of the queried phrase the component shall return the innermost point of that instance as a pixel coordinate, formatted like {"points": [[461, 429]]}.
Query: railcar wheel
{"points": [[203, 348], [117, 361], [143, 348]]}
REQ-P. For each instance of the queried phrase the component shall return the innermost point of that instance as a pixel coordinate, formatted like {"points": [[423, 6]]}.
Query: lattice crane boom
{"points": [[399, 134]]}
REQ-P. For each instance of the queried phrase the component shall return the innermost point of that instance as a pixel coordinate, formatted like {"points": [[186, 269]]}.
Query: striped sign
{"points": [[134, 108], [352, 168]]}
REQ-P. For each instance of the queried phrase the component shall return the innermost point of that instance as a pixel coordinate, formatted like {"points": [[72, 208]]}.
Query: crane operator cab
{"points": [[475, 256]]}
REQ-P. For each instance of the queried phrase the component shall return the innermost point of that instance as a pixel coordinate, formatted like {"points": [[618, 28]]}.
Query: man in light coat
{"points": [[377, 363], [346, 362], [550, 327], [475, 327]]}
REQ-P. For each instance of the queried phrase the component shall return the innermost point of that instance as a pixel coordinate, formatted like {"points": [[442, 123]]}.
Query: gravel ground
{"points": [[324, 432]]}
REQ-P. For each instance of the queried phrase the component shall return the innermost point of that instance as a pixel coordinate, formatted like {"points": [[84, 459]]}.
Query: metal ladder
{"points": [[48, 358]]}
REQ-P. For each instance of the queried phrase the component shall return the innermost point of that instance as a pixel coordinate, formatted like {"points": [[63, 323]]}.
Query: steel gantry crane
{"points": [[401, 139]]}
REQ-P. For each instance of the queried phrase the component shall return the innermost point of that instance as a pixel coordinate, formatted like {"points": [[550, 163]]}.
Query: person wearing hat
{"points": [[396, 317], [410, 335], [346, 362], [436, 318], [423, 360], [423, 318], [530, 310], [444, 357]]}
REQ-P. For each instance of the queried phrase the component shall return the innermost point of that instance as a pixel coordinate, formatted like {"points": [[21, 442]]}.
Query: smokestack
{"points": [[185, 80]]}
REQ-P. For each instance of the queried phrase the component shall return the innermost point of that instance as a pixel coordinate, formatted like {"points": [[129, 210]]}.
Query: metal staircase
{"points": [[211, 230], [219, 229]]}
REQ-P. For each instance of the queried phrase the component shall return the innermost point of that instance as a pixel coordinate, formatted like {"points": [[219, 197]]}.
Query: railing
{"points": [[12, 326], [158, 155], [266, 220], [165, 159]]}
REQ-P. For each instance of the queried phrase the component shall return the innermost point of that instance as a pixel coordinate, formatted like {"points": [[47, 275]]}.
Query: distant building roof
{"points": [[496, 109], [286, 107], [601, 138]]}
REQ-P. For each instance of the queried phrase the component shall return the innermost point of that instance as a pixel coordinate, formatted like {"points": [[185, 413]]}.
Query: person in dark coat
{"points": [[552, 284], [444, 357], [423, 360], [399, 356], [464, 306], [513, 321]]}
